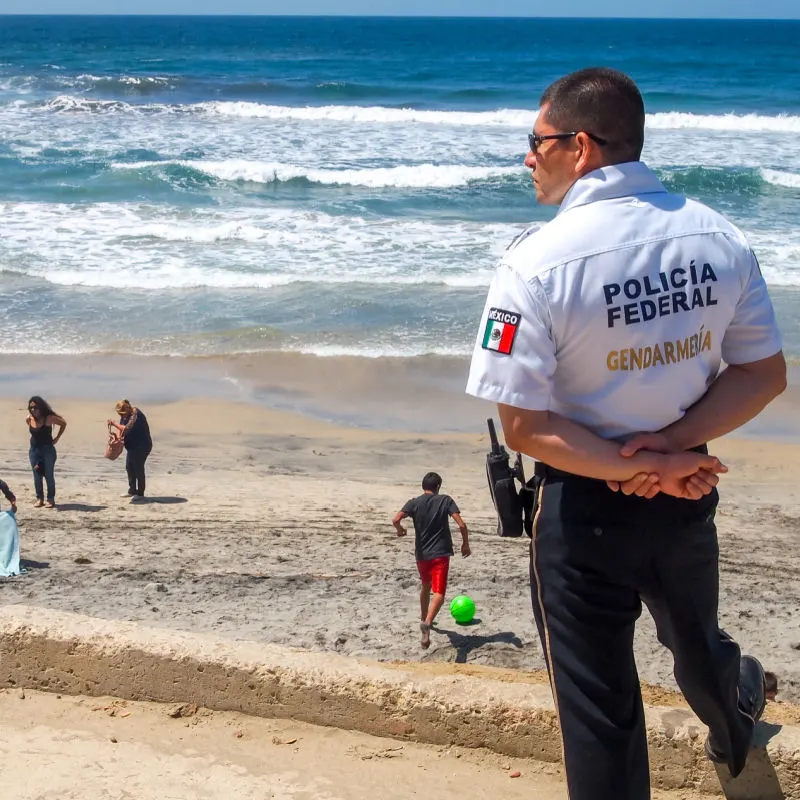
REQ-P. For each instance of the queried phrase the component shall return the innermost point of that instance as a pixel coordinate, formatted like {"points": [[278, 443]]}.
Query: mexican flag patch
{"points": [[501, 328]]}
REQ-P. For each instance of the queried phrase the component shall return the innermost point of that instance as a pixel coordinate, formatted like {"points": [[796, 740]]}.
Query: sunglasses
{"points": [[534, 141]]}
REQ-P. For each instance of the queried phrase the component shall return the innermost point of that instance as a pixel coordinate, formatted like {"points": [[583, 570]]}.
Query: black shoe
{"points": [[752, 701], [752, 688], [714, 756]]}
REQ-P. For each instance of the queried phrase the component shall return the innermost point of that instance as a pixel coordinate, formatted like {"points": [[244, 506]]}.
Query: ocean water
{"points": [[201, 186]]}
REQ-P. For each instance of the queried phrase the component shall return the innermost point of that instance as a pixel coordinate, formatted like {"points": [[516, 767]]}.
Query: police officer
{"points": [[605, 326]]}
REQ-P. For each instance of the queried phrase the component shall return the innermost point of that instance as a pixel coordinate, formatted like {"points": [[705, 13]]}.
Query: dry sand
{"points": [[275, 527], [75, 748]]}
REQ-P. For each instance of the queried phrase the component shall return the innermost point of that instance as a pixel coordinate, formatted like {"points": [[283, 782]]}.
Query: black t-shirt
{"points": [[431, 513]]}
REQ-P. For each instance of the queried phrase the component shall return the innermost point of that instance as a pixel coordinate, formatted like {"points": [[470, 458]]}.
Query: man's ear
{"points": [[586, 159]]}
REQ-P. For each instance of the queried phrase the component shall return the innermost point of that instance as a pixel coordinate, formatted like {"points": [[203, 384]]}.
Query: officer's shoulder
{"points": [[704, 221], [538, 249], [582, 231], [707, 219]]}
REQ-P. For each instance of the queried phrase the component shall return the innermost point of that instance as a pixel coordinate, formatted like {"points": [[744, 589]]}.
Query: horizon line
{"points": [[346, 15]]}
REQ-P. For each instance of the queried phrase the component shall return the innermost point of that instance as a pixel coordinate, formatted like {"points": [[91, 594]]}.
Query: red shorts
{"points": [[434, 572]]}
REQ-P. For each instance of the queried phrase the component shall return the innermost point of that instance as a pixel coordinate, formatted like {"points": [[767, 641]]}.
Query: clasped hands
{"points": [[685, 474]]}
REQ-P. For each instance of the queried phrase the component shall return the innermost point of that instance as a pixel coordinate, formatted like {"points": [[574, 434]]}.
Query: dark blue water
{"points": [[470, 64]]}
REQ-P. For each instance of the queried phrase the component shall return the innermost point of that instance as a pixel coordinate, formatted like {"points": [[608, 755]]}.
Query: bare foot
{"points": [[771, 680], [49, 504], [38, 504], [425, 642]]}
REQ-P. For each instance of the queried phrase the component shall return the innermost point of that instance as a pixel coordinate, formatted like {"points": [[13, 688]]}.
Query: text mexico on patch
{"points": [[501, 328]]}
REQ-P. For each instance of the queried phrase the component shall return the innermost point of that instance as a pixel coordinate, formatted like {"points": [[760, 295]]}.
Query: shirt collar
{"points": [[606, 183]]}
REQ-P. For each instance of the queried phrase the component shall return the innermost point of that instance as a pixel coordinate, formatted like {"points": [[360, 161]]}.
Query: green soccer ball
{"points": [[463, 609]]}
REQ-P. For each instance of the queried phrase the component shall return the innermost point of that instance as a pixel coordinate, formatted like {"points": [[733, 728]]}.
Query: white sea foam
{"points": [[328, 144], [50, 346], [175, 273], [507, 117], [127, 80], [778, 254], [410, 350], [337, 146], [67, 103], [258, 248], [368, 114], [314, 144], [267, 247], [755, 123], [439, 176], [504, 117], [790, 180]]}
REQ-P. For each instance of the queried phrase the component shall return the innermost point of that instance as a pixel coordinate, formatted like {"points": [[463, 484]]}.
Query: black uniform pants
{"points": [[595, 556]]}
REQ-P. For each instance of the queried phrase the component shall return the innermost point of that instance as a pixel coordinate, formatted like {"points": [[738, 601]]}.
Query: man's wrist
{"points": [[648, 461], [680, 438], [675, 442]]}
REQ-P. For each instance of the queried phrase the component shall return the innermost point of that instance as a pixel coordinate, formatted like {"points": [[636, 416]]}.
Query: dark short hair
{"points": [[432, 482], [601, 101]]}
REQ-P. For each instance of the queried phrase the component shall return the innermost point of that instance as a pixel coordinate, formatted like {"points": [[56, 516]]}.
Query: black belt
{"points": [[542, 470]]}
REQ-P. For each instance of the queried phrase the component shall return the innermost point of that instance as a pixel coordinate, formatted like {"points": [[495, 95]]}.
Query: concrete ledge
{"points": [[72, 654]]}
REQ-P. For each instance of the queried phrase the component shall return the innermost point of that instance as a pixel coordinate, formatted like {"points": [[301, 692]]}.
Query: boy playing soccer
{"points": [[433, 545]]}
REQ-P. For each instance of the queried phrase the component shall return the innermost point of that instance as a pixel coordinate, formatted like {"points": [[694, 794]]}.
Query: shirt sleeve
{"points": [[514, 367], [753, 333], [134, 415], [410, 507]]}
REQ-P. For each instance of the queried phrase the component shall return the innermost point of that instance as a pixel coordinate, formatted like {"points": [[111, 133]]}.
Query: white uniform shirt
{"points": [[618, 312]]}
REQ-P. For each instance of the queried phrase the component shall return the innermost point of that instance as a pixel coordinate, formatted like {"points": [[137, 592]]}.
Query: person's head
{"points": [[123, 408], [597, 115], [39, 408], [432, 482]]}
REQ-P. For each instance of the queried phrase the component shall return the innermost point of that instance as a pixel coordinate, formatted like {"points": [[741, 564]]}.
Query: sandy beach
{"points": [[99, 748], [271, 526], [80, 748]]}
